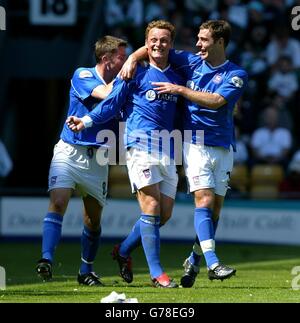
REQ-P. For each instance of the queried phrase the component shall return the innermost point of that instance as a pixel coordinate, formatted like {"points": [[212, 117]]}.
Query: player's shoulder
{"points": [[237, 75], [237, 70], [84, 73], [141, 70]]}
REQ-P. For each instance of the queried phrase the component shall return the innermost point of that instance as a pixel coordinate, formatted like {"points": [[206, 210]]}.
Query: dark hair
{"points": [[219, 29], [107, 44], [161, 24]]}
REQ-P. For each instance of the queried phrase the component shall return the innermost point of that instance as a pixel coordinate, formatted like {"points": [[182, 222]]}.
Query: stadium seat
{"points": [[118, 183], [266, 174], [265, 181], [264, 192], [239, 178]]}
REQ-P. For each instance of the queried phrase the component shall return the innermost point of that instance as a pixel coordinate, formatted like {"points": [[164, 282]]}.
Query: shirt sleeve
{"points": [[183, 60], [234, 86], [84, 82], [112, 105]]}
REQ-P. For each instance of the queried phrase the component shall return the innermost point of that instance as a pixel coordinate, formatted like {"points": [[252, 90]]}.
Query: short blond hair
{"points": [[161, 24]]}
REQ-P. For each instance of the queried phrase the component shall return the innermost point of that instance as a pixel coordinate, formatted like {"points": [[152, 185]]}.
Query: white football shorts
{"points": [[145, 169], [207, 167], [75, 166]]}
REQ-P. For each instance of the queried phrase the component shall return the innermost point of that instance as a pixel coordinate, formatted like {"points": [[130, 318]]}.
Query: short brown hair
{"points": [[219, 29], [108, 44], [161, 24]]}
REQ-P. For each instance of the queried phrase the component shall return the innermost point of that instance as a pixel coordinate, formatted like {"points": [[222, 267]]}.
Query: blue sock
{"points": [[132, 241], [51, 234], [195, 256], [89, 247], [205, 232], [149, 226]]}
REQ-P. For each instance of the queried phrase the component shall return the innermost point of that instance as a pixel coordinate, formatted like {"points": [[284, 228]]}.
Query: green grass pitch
{"points": [[263, 275]]}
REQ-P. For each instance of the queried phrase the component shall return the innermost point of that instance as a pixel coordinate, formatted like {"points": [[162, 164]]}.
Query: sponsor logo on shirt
{"points": [[150, 95], [198, 73], [190, 84]]}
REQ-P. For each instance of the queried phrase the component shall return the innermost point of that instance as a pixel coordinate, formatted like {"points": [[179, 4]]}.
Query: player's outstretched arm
{"points": [[101, 92], [75, 124]]}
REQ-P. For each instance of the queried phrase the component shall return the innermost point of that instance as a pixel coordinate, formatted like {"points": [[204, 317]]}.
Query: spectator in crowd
{"points": [[283, 79], [271, 144], [282, 44], [156, 9], [128, 15]]}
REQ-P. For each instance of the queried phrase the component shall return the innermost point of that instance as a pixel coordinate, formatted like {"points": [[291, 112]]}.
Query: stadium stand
{"points": [[265, 180]]}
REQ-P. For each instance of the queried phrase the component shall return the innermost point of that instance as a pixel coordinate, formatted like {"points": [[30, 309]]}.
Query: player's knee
{"points": [[58, 205], [93, 223], [204, 199], [152, 205]]}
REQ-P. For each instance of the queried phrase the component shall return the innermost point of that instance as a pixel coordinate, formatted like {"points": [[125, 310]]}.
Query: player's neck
{"points": [[217, 60], [104, 73], [160, 63]]}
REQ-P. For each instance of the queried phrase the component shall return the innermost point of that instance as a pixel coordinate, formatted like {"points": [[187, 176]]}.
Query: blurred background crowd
{"points": [[37, 62]]}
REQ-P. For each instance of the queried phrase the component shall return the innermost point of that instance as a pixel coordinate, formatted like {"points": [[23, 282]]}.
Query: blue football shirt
{"points": [[83, 82], [145, 112], [229, 80]]}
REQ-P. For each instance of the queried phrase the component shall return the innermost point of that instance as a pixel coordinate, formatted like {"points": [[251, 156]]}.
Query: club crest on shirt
{"points": [[53, 180], [196, 180], [147, 173], [150, 95], [237, 81], [217, 79], [84, 74]]}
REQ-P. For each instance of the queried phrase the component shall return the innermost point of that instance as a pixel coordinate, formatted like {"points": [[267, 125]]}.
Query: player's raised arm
{"points": [[209, 100], [129, 68]]}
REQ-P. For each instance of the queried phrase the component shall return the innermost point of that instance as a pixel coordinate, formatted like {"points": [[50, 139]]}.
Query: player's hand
{"points": [[129, 68], [165, 87], [75, 124]]}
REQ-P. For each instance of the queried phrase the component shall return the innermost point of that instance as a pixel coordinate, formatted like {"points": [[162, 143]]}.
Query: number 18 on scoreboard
{"points": [[53, 12]]}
